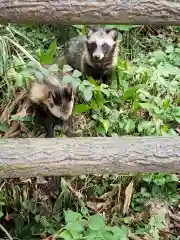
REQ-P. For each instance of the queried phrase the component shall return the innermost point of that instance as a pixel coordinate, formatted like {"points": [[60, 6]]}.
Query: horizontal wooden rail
{"points": [[76, 156], [163, 12]]}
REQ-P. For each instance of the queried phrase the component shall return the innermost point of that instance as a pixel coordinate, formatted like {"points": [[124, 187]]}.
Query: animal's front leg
{"points": [[49, 128], [107, 79]]}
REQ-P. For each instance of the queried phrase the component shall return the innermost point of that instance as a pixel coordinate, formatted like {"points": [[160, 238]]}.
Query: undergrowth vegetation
{"points": [[142, 101]]}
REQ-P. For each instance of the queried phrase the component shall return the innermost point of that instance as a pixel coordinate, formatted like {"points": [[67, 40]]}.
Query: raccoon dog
{"points": [[52, 104], [95, 55]]}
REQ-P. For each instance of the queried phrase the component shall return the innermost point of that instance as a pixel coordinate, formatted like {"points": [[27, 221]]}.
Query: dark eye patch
{"points": [[105, 47], [57, 98], [91, 46], [67, 94]]}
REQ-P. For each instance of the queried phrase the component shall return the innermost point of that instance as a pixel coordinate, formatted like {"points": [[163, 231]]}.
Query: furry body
{"points": [[94, 55], [52, 103]]}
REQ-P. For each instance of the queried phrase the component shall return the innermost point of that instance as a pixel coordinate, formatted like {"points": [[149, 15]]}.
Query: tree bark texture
{"points": [[76, 156], [157, 12]]}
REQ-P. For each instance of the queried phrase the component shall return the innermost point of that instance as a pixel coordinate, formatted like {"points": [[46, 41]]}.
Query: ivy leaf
{"points": [[87, 94], [75, 82], [76, 74], [96, 222], [72, 217], [67, 68], [67, 79], [53, 68]]}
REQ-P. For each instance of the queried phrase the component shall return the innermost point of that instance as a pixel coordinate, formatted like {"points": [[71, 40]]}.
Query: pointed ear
{"points": [[113, 32], [90, 30]]}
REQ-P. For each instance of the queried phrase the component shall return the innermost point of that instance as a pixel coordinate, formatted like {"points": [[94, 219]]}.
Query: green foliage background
{"points": [[142, 101]]}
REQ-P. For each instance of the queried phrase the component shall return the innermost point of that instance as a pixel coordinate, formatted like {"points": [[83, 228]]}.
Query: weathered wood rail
{"points": [[76, 156], [155, 12]]}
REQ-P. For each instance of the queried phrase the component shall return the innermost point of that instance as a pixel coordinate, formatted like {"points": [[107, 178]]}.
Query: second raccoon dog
{"points": [[52, 104], [95, 55]]}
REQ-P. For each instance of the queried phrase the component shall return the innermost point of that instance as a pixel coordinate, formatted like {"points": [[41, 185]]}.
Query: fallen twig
{"points": [[133, 236], [7, 234], [175, 217]]}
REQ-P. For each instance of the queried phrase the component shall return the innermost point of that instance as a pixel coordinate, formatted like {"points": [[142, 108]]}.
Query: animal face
{"points": [[60, 102], [101, 43]]}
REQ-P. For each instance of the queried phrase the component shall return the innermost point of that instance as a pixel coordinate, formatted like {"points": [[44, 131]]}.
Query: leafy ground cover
{"points": [[142, 101]]}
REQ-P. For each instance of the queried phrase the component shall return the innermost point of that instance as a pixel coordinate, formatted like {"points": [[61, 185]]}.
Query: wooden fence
{"points": [[47, 157], [76, 156], [155, 12]]}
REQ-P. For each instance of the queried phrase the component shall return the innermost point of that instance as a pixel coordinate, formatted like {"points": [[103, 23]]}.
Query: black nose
{"points": [[96, 58]]}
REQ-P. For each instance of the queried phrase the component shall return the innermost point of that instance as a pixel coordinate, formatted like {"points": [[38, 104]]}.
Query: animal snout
{"points": [[97, 57]]}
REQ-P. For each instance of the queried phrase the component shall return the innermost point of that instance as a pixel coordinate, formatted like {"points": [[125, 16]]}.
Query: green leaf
{"points": [[67, 79], [121, 27], [4, 127], [93, 235], [147, 177], [39, 76], [159, 180], [128, 93], [96, 222], [53, 68], [15, 117], [76, 74], [177, 119], [105, 124], [159, 55], [130, 126], [84, 210], [101, 130], [67, 68], [26, 119], [87, 94], [19, 80], [169, 49], [87, 83], [75, 82], [147, 106], [80, 108], [65, 235], [72, 217], [125, 27], [50, 52], [166, 103], [74, 227], [120, 233]]}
